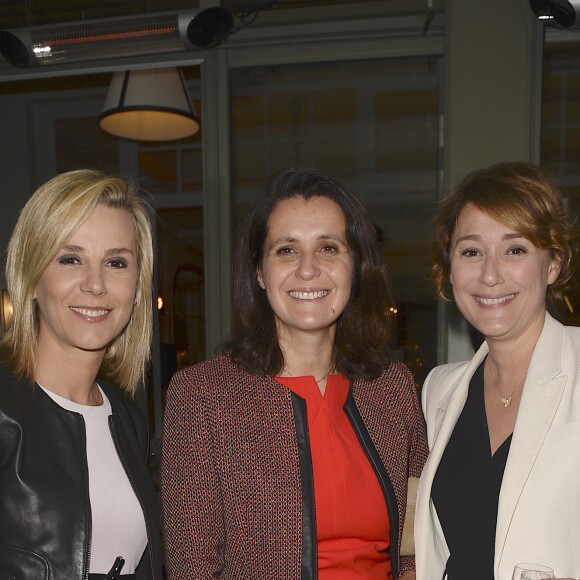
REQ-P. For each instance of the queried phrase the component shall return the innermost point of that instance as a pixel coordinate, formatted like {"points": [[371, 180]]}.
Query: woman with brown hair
{"points": [[288, 456], [501, 483]]}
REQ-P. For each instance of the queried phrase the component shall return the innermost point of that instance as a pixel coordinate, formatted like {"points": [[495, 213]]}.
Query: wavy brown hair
{"points": [[520, 196], [362, 330]]}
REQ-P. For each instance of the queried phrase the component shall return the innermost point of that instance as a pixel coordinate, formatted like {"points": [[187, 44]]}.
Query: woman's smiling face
{"points": [[499, 277], [307, 266], [86, 293]]}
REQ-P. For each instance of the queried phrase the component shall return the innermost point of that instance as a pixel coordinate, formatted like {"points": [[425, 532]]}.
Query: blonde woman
{"points": [[76, 499]]}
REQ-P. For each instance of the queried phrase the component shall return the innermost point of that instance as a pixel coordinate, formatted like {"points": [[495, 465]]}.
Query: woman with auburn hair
{"points": [[500, 486], [76, 497], [289, 454]]}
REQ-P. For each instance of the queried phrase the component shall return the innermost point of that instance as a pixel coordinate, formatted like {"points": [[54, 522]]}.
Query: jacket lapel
{"points": [[449, 407], [541, 396]]}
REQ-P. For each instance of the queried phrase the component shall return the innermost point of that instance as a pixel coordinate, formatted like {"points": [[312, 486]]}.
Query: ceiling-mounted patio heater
{"points": [[557, 13], [140, 34]]}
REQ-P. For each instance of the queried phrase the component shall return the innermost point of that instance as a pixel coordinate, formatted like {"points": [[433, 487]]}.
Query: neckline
{"points": [[307, 388], [78, 407]]}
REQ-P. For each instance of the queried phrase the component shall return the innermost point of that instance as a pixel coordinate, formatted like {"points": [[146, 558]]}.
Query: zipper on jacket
{"points": [[308, 561], [89, 511], [149, 547], [380, 470]]}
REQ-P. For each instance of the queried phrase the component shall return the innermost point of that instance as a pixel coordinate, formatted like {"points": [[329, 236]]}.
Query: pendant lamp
{"points": [[149, 105]]}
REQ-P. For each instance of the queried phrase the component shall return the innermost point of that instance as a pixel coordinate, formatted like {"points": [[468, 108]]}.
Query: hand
{"points": [[411, 576]]}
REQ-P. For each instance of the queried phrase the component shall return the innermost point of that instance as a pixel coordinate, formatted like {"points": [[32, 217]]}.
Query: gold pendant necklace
{"points": [[507, 401], [285, 370]]}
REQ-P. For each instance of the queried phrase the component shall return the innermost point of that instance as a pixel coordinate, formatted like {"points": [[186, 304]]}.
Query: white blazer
{"points": [[539, 503]]}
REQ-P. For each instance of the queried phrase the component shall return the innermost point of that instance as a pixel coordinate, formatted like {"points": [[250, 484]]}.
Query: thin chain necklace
{"points": [[507, 401], [285, 370]]}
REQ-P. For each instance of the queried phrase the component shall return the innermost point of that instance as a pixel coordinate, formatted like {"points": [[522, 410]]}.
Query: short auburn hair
{"points": [[519, 195]]}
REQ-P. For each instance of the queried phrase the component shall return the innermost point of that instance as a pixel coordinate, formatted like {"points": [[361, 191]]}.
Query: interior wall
{"points": [[15, 166], [493, 63], [491, 104]]}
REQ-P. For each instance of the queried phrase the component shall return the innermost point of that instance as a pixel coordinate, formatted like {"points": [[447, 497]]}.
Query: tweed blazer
{"points": [[237, 492], [539, 503]]}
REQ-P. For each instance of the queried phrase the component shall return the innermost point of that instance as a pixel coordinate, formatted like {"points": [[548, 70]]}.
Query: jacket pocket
{"points": [[18, 564]]}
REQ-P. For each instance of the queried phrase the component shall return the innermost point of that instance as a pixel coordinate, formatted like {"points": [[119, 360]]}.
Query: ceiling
{"points": [[257, 15], [25, 13]]}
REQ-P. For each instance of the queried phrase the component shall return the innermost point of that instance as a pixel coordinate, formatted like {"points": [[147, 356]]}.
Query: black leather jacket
{"points": [[45, 512]]}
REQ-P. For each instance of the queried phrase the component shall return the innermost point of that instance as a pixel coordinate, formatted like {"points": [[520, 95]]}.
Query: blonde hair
{"points": [[49, 218]]}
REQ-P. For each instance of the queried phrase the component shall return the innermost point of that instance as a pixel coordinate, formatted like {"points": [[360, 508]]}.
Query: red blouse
{"points": [[352, 522]]}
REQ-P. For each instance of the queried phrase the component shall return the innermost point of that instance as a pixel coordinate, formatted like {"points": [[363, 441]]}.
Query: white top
{"points": [[118, 523]]}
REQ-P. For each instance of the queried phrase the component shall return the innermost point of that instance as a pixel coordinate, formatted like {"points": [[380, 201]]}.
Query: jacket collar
{"points": [[453, 400], [544, 366], [541, 397]]}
